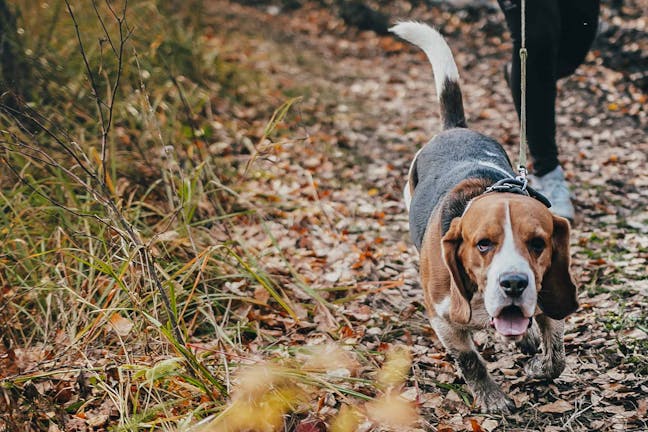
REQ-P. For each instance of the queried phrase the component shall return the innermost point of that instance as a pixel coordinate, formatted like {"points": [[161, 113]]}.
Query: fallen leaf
{"points": [[476, 427], [122, 326], [489, 425], [347, 420], [97, 420], [558, 407], [311, 425], [392, 410], [396, 368], [642, 408]]}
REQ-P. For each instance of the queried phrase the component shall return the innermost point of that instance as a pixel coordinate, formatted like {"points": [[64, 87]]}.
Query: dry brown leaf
{"points": [[558, 407], [262, 295], [642, 408], [96, 419], [311, 425], [476, 427], [120, 325], [489, 424]]}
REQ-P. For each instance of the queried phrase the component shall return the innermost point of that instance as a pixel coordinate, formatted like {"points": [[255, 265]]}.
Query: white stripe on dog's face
{"points": [[509, 260]]}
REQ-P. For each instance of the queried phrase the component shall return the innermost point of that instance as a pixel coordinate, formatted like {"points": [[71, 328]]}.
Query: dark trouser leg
{"points": [[579, 21], [557, 42], [542, 38]]}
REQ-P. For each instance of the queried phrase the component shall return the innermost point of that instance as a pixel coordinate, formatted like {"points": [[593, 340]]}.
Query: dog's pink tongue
{"points": [[511, 323]]}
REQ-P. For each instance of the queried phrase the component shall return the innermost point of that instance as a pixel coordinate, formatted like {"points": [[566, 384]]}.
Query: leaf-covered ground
{"points": [[333, 181], [274, 233]]}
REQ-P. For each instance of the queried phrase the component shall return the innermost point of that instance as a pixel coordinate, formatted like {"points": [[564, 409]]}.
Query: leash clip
{"points": [[522, 177]]}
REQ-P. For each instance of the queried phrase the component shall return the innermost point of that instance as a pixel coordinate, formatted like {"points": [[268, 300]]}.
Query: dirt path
{"points": [[367, 104]]}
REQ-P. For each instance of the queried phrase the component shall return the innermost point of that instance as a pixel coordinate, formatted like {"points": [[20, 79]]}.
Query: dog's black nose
{"points": [[514, 283]]}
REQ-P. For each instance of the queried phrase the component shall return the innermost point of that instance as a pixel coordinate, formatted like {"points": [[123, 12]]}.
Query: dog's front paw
{"points": [[494, 401], [541, 367]]}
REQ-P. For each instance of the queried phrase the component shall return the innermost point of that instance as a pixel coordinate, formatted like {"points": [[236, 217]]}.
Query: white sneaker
{"points": [[554, 186]]}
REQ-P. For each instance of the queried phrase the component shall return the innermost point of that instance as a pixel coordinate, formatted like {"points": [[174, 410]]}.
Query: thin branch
{"points": [[66, 148], [120, 59], [93, 85], [105, 29]]}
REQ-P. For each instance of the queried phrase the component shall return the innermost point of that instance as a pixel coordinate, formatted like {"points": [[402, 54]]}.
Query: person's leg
{"points": [[543, 34], [579, 23]]}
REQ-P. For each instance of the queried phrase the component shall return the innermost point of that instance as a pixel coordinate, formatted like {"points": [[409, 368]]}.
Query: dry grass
{"points": [[113, 309]]}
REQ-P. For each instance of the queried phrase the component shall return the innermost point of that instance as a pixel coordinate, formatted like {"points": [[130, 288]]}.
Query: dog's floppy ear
{"points": [[460, 295], [557, 297]]}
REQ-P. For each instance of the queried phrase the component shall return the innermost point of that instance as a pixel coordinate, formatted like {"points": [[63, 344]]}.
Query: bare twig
{"points": [[106, 122], [124, 35], [93, 84], [105, 29]]}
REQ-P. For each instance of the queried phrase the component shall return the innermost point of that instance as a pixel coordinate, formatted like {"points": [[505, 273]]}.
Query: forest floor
{"points": [[309, 244], [368, 103]]}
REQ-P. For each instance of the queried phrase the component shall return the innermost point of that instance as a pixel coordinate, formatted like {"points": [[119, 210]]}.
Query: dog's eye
{"points": [[484, 245], [537, 245]]}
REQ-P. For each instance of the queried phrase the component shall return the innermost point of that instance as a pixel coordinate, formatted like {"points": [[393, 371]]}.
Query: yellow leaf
{"points": [[120, 325], [265, 413], [255, 381], [347, 420], [392, 410], [396, 367], [328, 358]]}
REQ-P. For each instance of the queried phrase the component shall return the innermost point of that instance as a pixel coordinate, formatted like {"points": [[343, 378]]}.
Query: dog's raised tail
{"points": [[446, 75]]}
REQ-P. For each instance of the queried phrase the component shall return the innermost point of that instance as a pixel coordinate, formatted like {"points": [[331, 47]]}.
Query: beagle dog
{"points": [[491, 253]]}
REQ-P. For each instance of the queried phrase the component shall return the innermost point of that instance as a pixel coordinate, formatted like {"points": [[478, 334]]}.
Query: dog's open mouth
{"points": [[511, 322]]}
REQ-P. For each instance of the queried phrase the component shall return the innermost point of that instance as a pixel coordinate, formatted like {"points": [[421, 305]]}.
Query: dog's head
{"points": [[516, 253]]}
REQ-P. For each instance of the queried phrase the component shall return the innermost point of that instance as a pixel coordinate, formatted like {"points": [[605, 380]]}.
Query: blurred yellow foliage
{"points": [[396, 368], [392, 410], [261, 400], [254, 381], [328, 358], [347, 420], [265, 393]]}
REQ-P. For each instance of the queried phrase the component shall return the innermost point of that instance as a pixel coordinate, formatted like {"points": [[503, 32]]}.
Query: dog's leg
{"points": [[551, 362], [530, 343], [458, 343]]}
